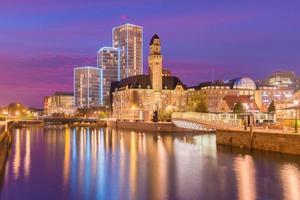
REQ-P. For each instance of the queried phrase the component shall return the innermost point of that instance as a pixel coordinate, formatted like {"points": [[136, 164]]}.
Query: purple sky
{"points": [[41, 41]]}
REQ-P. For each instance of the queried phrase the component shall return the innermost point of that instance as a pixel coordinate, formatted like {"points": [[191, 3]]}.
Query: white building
{"points": [[87, 87], [108, 60], [59, 103], [129, 39]]}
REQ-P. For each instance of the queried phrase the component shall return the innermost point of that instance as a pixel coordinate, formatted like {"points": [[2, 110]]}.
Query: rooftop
{"points": [[63, 94], [231, 100], [144, 82], [155, 36]]}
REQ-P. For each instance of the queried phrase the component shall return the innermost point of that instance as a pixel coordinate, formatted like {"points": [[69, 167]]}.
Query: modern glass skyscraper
{"points": [[87, 87], [108, 60], [129, 39]]}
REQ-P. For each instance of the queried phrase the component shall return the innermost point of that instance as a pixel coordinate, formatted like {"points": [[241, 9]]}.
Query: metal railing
{"points": [[213, 120]]}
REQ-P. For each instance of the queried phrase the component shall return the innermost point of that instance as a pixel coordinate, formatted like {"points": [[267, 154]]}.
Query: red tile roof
{"points": [[231, 100]]}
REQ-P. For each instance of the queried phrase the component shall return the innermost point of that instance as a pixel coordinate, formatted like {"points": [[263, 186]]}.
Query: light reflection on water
{"points": [[245, 172], [86, 163]]}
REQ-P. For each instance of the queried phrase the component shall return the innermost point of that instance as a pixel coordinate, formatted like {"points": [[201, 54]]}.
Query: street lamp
{"points": [[296, 103]]}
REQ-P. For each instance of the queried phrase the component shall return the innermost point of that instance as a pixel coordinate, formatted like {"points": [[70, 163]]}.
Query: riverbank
{"points": [[4, 148], [100, 123], [167, 127], [260, 140]]}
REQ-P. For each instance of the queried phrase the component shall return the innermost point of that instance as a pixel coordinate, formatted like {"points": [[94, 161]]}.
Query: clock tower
{"points": [[155, 63]]}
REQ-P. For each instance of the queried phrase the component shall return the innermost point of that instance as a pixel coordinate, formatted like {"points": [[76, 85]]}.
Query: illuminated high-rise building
{"points": [[87, 87], [129, 39], [108, 60]]}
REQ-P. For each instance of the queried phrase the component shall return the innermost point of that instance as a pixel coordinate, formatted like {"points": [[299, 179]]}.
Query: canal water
{"points": [[84, 163]]}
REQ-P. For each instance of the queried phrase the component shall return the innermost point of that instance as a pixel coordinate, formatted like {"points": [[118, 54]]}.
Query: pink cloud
{"points": [[29, 79]]}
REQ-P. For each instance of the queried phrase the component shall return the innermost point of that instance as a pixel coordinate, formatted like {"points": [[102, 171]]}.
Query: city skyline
{"points": [[243, 39]]}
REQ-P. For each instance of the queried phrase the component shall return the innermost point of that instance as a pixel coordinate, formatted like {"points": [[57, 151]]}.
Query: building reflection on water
{"points": [[87, 163], [290, 176], [17, 155], [245, 175]]}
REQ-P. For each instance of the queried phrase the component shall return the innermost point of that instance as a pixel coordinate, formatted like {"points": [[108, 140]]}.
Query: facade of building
{"points": [[108, 60], [265, 94], [59, 103], [228, 102], [282, 79], [138, 97], [288, 107], [216, 91], [129, 39], [87, 87]]}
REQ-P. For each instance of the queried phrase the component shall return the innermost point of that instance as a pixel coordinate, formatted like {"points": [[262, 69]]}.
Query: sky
{"points": [[41, 41]]}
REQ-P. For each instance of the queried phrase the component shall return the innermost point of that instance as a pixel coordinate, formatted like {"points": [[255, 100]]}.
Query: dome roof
{"points": [[155, 36], [244, 83]]}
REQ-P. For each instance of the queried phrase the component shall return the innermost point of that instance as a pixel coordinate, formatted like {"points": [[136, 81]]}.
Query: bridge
{"points": [[206, 121]]}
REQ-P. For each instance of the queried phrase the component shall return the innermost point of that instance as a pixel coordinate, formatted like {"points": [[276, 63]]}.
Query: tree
{"points": [[272, 108], [238, 108], [164, 115], [201, 107], [103, 114]]}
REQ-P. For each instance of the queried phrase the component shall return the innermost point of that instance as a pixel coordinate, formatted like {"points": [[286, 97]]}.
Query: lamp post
{"points": [[296, 103]]}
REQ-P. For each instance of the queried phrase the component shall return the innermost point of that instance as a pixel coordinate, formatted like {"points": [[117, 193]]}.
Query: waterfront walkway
{"points": [[212, 121], [206, 121]]}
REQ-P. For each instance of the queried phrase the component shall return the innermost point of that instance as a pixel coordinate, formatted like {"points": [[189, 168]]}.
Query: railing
{"points": [[213, 120]]}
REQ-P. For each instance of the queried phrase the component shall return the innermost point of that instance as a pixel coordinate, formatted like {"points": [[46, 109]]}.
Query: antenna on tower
{"points": [[212, 74]]}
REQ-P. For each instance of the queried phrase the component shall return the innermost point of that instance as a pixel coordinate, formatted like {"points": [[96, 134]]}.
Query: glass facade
{"points": [[87, 87], [244, 83], [129, 39], [108, 60]]}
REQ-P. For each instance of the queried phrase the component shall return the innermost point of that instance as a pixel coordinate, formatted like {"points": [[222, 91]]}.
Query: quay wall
{"points": [[268, 141], [4, 148], [147, 126], [100, 123]]}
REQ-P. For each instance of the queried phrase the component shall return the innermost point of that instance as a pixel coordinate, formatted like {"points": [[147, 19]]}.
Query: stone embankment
{"points": [[268, 140], [147, 126], [5, 141]]}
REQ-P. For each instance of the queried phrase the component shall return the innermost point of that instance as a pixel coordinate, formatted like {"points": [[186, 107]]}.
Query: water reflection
{"points": [[17, 155], [4, 151], [27, 155], [290, 176], [86, 163], [245, 173], [67, 155]]}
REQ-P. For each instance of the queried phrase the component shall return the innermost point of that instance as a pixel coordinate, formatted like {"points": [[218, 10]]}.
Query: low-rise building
{"points": [[287, 108], [228, 103], [265, 94], [282, 79], [59, 103], [215, 91]]}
